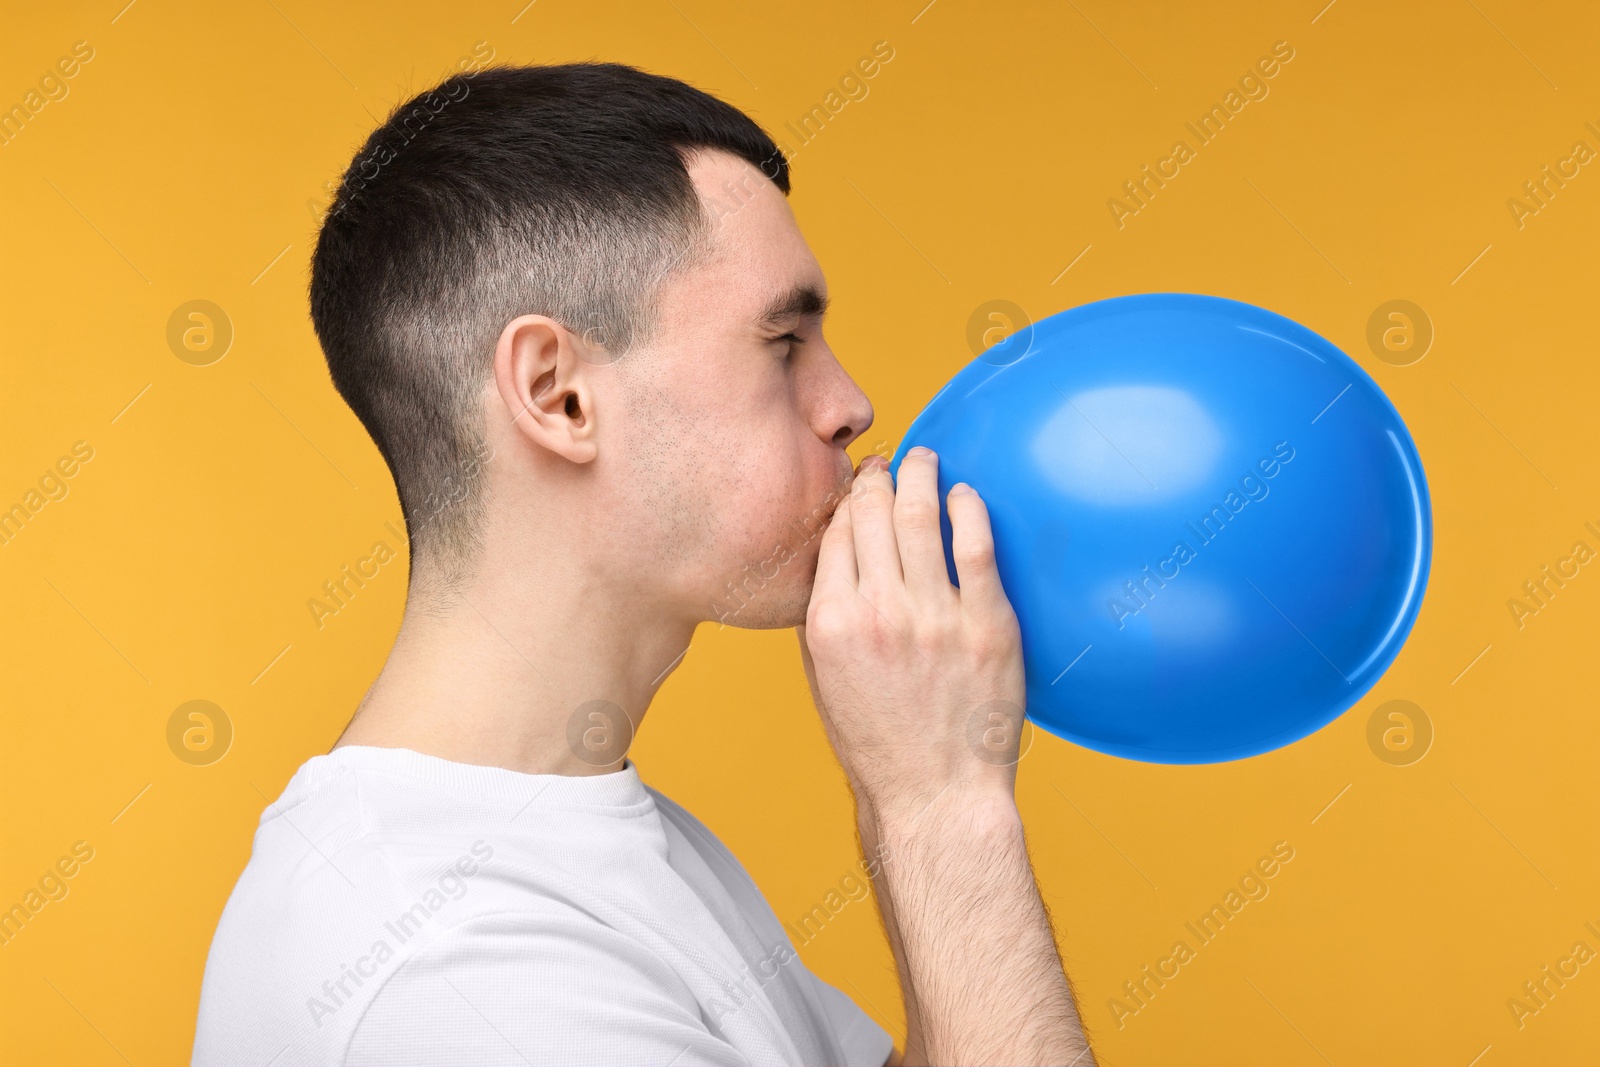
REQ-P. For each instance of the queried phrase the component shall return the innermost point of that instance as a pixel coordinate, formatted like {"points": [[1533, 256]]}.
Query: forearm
{"points": [[877, 854], [981, 976]]}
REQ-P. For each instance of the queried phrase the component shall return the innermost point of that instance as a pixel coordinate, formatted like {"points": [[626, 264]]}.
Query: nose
{"points": [[843, 413]]}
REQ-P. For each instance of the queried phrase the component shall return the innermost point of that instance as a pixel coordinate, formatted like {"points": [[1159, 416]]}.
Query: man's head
{"points": [[573, 309]]}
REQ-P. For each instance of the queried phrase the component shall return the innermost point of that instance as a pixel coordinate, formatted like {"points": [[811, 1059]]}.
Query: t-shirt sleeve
{"points": [[865, 1043], [531, 990]]}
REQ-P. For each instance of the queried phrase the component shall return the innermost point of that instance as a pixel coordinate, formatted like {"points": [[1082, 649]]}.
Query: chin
{"points": [[768, 616], [773, 596]]}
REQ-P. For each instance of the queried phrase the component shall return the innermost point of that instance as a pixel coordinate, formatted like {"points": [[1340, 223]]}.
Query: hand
{"points": [[919, 683], [920, 687]]}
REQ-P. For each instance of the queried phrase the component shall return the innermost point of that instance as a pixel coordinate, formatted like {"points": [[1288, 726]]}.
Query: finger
{"points": [[872, 519], [916, 524], [836, 553], [972, 545]]}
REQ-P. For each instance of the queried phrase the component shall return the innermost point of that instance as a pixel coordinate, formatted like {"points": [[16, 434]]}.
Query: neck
{"points": [[543, 673]]}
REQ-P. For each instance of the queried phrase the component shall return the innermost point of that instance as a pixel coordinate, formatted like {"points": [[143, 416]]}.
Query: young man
{"points": [[574, 310]]}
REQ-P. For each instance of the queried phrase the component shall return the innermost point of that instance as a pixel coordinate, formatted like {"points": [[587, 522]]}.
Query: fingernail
{"points": [[919, 450], [960, 487]]}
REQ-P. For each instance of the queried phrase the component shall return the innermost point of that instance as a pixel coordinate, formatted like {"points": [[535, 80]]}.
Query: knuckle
{"points": [[984, 648], [994, 638], [868, 511], [874, 484], [973, 552], [828, 624], [880, 640], [915, 515], [939, 631], [887, 622]]}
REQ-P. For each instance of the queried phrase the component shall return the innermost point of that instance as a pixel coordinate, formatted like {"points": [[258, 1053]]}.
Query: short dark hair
{"points": [[511, 190]]}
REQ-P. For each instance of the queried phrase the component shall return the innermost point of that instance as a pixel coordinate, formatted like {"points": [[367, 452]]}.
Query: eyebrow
{"points": [[801, 300]]}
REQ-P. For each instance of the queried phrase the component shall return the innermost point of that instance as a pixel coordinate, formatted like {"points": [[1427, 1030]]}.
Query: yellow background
{"points": [[189, 161]]}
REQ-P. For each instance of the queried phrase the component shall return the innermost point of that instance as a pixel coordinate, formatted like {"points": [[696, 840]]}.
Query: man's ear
{"points": [[545, 385]]}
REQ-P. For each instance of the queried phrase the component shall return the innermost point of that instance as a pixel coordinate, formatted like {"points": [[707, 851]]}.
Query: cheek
{"points": [[705, 493], [771, 512], [724, 475], [761, 497], [775, 470]]}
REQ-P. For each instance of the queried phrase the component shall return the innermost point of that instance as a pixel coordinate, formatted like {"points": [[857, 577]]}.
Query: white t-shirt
{"points": [[399, 908]]}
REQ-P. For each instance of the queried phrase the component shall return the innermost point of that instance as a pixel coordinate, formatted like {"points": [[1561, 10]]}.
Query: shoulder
{"points": [[550, 985], [341, 886]]}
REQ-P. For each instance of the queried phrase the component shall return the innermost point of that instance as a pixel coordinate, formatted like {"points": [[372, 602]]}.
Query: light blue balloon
{"points": [[1213, 525]]}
